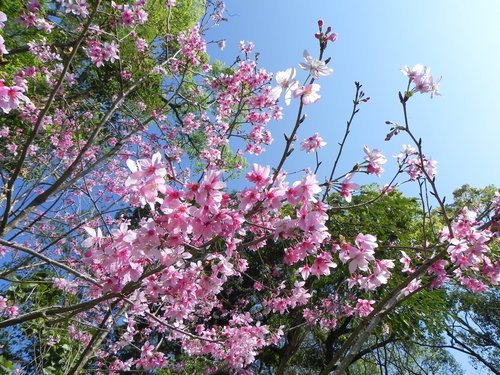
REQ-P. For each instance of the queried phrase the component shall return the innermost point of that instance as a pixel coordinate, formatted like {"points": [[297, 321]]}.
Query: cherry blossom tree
{"points": [[120, 143]]}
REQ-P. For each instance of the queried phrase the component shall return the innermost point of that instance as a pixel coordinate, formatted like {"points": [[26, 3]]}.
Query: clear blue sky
{"points": [[458, 40]]}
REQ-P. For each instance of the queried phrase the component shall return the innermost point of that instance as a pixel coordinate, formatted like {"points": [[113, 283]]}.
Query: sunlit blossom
{"points": [[286, 82], [313, 143], [316, 68], [308, 93]]}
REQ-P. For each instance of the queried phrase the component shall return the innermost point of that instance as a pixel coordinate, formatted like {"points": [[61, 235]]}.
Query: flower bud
{"points": [[320, 23]]}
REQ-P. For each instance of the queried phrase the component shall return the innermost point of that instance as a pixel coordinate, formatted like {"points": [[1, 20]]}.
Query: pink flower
{"points": [[347, 188], [12, 147], [416, 71], [3, 18], [317, 68], [308, 93], [145, 168], [364, 307], [412, 287], [12, 311], [246, 47], [366, 242], [141, 44], [305, 271], [77, 7], [313, 143], [258, 286], [259, 175], [473, 284], [209, 193], [361, 255], [33, 6], [421, 76], [3, 303], [95, 237], [3, 50], [406, 263], [110, 52], [322, 264], [304, 190], [375, 161], [11, 97], [387, 189], [381, 272]]}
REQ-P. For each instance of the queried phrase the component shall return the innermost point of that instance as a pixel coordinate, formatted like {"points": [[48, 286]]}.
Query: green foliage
{"points": [[477, 199], [6, 366], [473, 325], [392, 218], [397, 221], [48, 346]]}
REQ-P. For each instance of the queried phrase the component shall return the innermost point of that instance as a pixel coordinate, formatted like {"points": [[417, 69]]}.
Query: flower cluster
{"points": [[313, 143], [308, 93], [193, 46], [468, 249], [99, 52], [8, 309], [422, 79], [375, 160], [415, 164]]}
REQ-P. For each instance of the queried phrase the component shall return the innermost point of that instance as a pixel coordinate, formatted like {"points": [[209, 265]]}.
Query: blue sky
{"points": [[458, 40]]}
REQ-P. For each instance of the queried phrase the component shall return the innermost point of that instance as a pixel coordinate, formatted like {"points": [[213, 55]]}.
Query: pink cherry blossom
{"points": [[11, 311], [246, 47], [308, 93], [406, 263], [375, 161], [3, 19], [421, 76], [411, 73], [209, 192], [347, 187], [144, 168], [3, 303], [95, 238], [77, 7], [259, 175], [366, 242], [359, 257], [305, 271], [110, 52], [381, 273], [412, 287], [316, 68], [3, 49], [322, 264], [313, 143], [364, 307], [12, 97]]}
